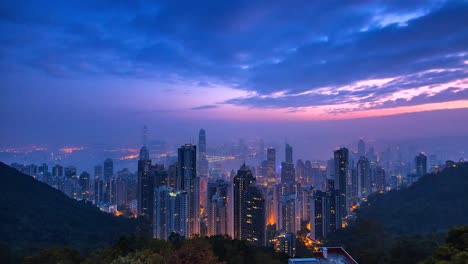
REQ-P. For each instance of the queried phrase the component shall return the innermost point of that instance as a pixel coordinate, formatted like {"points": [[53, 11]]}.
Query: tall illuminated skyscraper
{"points": [[145, 185], [288, 173], [190, 183], [341, 162], [202, 158], [249, 208], [288, 213], [98, 184], [363, 178], [83, 183]]}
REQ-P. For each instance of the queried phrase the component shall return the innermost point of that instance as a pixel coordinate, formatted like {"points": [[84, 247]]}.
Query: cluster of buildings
{"points": [[268, 204], [106, 189]]}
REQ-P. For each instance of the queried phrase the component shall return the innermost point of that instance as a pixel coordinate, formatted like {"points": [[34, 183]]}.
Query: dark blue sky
{"points": [[75, 72]]}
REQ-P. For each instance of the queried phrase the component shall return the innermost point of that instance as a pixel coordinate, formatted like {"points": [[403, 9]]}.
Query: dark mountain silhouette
{"points": [[436, 202], [407, 225], [36, 216]]}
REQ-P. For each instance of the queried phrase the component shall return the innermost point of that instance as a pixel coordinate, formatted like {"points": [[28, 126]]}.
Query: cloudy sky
{"points": [[86, 71]]}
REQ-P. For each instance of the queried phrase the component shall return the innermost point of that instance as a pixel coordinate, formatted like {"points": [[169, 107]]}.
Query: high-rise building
{"points": [[289, 153], [318, 210], [98, 184], [217, 207], [70, 172], [300, 172], [284, 242], [361, 148], [202, 158], [341, 164], [287, 177], [380, 178], [288, 213], [271, 165], [249, 211], [121, 191], [363, 178], [83, 183], [57, 171], [108, 169], [288, 173], [170, 207], [44, 170], [145, 186], [421, 164], [190, 183]]}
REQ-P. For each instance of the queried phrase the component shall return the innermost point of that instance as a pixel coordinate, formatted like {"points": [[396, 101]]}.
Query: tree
{"points": [[197, 250]]}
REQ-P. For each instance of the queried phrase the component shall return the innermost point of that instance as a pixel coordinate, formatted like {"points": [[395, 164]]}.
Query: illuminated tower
{"points": [[341, 163], [189, 182], [145, 184], [202, 158], [288, 174], [249, 211], [363, 178]]}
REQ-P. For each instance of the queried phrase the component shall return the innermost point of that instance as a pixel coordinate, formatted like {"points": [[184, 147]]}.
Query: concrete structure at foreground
{"points": [[326, 255]]}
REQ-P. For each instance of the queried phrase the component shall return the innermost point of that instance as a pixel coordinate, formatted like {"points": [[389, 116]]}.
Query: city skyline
{"points": [[94, 76]]}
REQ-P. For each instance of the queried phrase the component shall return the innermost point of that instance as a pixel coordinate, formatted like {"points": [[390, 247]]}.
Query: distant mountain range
{"points": [[34, 216]]}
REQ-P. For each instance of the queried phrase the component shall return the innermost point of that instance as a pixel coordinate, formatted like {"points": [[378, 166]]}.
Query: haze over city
{"points": [[175, 131], [85, 73]]}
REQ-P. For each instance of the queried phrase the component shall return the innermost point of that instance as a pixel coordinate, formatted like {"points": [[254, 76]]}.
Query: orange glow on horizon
{"points": [[71, 150], [129, 157]]}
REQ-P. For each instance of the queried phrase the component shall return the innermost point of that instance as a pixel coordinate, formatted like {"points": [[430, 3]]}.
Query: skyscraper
{"points": [[202, 158], [98, 184], [170, 207], [249, 211], [363, 178], [217, 207], [288, 213], [289, 153], [421, 164], [380, 181], [288, 173], [361, 148], [145, 185], [318, 211], [271, 165], [83, 184], [108, 169], [190, 183], [57, 171], [341, 163], [109, 188]]}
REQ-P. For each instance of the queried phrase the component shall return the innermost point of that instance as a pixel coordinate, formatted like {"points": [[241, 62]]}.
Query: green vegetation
{"points": [[36, 216], [131, 249], [406, 226], [455, 251]]}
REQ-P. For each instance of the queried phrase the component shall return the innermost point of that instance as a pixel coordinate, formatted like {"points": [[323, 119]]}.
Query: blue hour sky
{"points": [[75, 72]]}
